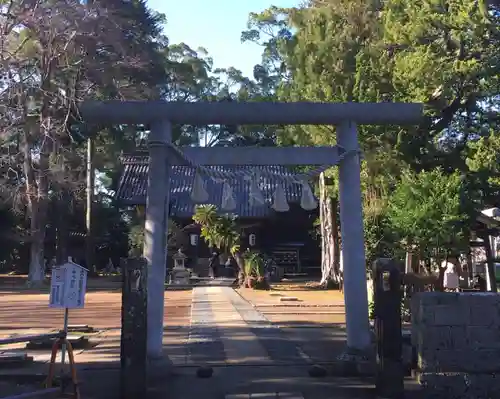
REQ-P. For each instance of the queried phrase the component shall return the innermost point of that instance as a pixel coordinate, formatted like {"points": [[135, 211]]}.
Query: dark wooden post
{"points": [[389, 341], [133, 354]]}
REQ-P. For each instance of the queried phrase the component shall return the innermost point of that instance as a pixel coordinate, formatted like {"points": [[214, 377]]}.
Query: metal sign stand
{"points": [[63, 347], [68, 285]]}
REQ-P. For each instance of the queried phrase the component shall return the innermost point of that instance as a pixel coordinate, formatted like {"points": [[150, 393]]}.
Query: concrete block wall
{"points": [[457, 340]]}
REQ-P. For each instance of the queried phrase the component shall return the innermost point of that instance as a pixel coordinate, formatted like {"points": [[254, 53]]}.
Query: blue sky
{"points": [[216, 25]]}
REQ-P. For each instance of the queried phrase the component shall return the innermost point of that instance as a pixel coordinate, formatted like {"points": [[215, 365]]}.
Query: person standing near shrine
{"points": [[214, 263]]}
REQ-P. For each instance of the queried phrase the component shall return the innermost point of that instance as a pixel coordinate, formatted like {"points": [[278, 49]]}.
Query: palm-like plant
{"points": [[227, 235], [219, 231], [255, 270], [205, 215], [254, 264]]}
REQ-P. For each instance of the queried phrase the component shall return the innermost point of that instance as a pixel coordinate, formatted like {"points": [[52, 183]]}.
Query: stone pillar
{"points": [[353, 248], [133, 357], [155, 245], [387, 297]]}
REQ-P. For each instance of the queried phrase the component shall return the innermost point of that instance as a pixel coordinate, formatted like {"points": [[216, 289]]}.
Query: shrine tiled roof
{"points": [[133, 186]]}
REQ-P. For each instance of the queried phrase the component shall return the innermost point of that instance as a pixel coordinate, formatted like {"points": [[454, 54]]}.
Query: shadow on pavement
{"points": [[290, 353]]}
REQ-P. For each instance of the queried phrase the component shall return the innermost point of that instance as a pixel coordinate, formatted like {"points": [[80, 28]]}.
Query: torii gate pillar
{"points": [[156, 228], [353, 246]]}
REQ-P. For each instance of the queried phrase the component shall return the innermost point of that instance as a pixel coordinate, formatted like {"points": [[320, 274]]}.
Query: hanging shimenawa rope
{"points": [[280, 204]]}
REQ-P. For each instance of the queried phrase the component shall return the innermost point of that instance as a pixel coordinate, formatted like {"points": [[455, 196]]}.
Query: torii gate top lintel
{"points": [[251, 113]]}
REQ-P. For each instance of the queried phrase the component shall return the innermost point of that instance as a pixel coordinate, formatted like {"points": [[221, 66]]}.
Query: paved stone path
{"points": [[226, 328], [266, 361], [219, 332]]}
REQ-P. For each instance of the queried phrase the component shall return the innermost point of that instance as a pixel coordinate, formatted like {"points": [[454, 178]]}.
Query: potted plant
{"points": [[255, 276]]}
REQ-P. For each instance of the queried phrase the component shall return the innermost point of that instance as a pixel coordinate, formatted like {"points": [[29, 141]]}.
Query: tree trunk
{"points": [[409, 262], [37, 190], [37, 135], [470, 275], [329, 236], [241, 268], [336, 239], [35, 210], [89, 237], [37, 266], [62, 233], [490, 265]]}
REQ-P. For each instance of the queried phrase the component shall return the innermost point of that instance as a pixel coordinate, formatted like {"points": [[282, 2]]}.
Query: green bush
{"points": [[254, 269]]}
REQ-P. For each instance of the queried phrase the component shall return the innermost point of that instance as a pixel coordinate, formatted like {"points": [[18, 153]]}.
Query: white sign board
{"points": [[68, 285]]}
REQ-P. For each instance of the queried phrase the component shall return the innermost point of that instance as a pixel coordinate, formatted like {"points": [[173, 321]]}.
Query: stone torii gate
{"points": [[161, 115]]}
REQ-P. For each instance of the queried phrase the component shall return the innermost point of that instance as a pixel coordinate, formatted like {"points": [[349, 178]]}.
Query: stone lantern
{"points": [[179, 274], [179, 260]]}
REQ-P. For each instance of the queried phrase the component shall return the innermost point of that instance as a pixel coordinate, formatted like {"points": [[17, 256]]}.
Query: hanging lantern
{"points": [[307, 200], [228, 201], [280, 203], [255, 195], [252, 240], [193, 239], [199, 193]]}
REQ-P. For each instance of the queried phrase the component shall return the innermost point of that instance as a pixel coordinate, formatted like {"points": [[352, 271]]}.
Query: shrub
{"points": [[255, 275]]}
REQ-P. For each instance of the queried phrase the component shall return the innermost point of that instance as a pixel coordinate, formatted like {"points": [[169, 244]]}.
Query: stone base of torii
{"points": [[346, 116]]}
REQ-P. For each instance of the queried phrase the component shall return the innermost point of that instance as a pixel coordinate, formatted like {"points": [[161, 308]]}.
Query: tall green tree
{"points": [[440, 53], [443, 54], [53, 57], [331, 51], [429, 212], [483, 162]]}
